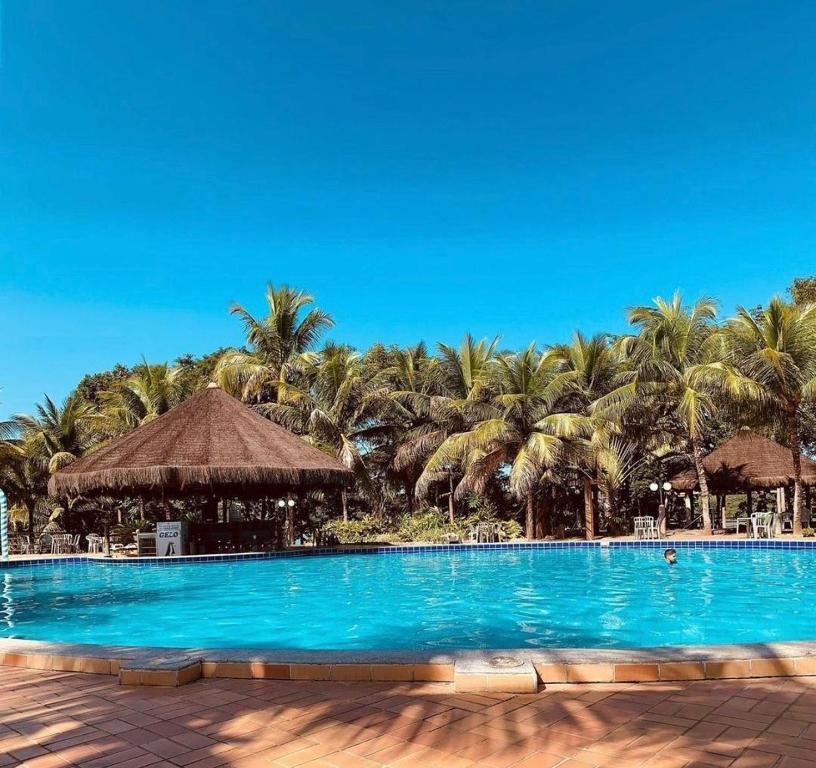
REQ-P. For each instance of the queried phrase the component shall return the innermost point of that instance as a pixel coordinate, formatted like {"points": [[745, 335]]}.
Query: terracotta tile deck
{"points": [[58, 719]]}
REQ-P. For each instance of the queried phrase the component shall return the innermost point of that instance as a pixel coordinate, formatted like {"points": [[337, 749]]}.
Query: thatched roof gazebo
{"points": [[212, 448], [746, 462], [211, 444]]}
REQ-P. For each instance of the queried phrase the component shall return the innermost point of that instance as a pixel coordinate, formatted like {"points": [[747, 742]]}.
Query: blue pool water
{"points": [[554, 598]]}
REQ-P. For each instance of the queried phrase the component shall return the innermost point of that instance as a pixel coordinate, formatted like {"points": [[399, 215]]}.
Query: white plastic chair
{"points": [[60, 543], [762, 524], [19, 545], [645, 527], [94, 543], [485, 533]]}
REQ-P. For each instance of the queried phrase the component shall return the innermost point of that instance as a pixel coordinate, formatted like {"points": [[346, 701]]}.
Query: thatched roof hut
{"points": [[747, 461], [211, 444]]}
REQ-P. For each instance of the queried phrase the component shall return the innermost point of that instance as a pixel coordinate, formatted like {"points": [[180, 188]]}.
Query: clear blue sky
{"points": [[423, 168]]}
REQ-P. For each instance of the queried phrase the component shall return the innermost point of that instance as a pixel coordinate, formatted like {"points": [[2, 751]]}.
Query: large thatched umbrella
{"points": [[745, 463], [210, 446]]}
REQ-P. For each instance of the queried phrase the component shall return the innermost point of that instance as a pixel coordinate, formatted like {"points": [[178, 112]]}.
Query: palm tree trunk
{"points": [[531, 515], [796, 455], [697, 450], [451, 505], [344, 501], [544, 522], [589, 510], [280, 386], [30, 509]]}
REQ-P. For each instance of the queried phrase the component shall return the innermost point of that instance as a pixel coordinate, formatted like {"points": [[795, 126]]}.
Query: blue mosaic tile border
{"points": [[716, 544], [341, 551], [423, 549], [43, 561]]}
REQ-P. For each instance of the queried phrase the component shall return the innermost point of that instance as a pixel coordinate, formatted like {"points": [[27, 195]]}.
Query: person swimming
{"points": [[670, 556]]}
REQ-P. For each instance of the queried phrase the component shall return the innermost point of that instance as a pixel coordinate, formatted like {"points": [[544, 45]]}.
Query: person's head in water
{"points": [[670, 556]]}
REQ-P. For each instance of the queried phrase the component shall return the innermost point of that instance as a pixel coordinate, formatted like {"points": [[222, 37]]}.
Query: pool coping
{"points": [[573, 665], [569, 665]]}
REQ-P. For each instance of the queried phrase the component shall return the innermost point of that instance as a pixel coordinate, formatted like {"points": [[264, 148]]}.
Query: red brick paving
{"points": [[59, 719]]}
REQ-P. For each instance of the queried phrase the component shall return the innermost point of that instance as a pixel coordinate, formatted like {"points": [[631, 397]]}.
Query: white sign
{"points": [[171, 539]]}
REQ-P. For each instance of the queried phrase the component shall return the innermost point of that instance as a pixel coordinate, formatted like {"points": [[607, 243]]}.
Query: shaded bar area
{"points": [[223, 459], [755, 466]]}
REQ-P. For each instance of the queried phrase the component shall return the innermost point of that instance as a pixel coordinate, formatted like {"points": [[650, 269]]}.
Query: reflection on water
{"points": [[7, 603]]}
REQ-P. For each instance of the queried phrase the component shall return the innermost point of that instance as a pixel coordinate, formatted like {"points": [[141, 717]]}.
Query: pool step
{"points": [[500, 674], [171, 671]]}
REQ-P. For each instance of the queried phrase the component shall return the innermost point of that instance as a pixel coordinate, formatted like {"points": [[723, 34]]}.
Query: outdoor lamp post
{"points": [[289, 506], [665, 487], [654, 486]]}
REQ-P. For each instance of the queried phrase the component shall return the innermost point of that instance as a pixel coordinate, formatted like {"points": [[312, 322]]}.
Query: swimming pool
{"points": [[577, 597]]}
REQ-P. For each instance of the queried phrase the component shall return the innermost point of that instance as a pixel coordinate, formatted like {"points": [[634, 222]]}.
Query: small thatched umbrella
{"points": [[210, 445], [745, 463]]}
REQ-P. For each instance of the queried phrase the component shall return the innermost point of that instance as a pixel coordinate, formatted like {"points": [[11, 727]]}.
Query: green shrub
{"points": [[808, 532], [433, 525], [512, 529], [484, 511], [366, 529], [429, 525]]}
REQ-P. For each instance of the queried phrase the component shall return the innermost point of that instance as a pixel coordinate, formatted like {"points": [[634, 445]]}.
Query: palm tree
{"points": [[57, 435], [597, 367], [147, 393], [328, 407], [466, 372], [403, 383], [525, 428], [262, 373], [24, 479], [776, 349], [455, 395], [673, 361], [594, 359], [43, 443]]}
